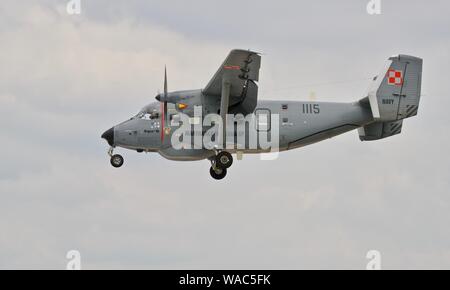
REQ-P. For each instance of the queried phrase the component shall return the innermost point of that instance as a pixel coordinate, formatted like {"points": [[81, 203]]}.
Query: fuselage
{"points": [[298, 124]]}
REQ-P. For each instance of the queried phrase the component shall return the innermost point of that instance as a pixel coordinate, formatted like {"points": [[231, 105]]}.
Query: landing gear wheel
{"points": [[116, 160], [217, 173], [224, 160]]}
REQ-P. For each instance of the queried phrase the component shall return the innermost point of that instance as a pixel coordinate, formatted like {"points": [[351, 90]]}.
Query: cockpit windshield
{"points": [[150, 112], [147, 115]]}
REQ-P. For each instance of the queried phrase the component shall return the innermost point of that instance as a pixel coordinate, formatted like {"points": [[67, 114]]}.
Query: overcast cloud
{"points": [[64, 79]]}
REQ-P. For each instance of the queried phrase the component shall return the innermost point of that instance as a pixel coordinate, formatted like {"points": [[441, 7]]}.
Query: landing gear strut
{"points": [[116, 159], [223, 159], [219, 165]]}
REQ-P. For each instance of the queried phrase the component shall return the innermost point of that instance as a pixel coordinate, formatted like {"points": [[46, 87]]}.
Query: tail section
{"points": [[395, 93]]}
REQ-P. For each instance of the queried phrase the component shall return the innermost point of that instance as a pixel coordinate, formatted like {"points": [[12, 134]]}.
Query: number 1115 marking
{"points": [[311, 109]]}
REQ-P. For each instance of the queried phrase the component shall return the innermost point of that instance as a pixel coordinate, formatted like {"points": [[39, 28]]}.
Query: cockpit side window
{"points": [[148, 116], [154, 115]]}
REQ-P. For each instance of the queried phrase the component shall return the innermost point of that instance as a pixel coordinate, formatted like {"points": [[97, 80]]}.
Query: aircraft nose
{"points": [[109, 136]]}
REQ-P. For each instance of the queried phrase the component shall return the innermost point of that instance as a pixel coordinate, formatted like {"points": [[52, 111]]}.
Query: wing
{"points": [[239, 67], [234, 86]]}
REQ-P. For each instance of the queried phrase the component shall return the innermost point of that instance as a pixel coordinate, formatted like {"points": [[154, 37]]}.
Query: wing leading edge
{"points": [[239, 67]]}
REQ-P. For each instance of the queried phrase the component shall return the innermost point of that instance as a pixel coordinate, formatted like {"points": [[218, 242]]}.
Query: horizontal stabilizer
{"points": [[380, 130]]}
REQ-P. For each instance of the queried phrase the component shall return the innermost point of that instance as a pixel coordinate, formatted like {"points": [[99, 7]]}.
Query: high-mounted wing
{"points": [[240, 67], [234, 85]]}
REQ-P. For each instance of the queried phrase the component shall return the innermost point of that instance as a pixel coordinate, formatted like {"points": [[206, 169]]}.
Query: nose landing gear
{"points": [[219, 165], [116, 159]]}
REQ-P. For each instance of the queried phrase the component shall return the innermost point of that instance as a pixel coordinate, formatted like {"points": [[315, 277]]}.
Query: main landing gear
{"points": [[116, 159], [219, 165]]}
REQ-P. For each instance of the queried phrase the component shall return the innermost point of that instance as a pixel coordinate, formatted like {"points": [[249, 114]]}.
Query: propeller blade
{"points": [[164, 107], [165, 82], [165, 92]]}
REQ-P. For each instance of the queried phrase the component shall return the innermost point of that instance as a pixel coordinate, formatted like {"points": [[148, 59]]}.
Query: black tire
{"points": [[218, 174], [116, 161], [224, 159]]}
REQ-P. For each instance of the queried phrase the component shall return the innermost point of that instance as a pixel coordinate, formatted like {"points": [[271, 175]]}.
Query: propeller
{"points": [[165, 93], [164, 107]]}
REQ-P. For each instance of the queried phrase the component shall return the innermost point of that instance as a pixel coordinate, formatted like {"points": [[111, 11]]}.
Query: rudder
{"points": [[395, 92]]}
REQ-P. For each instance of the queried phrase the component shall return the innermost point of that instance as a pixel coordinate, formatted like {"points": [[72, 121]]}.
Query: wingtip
{"points": [[245, 50]]}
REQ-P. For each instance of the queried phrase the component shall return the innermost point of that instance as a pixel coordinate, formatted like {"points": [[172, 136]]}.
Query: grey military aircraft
{"points": [[393, 96]]}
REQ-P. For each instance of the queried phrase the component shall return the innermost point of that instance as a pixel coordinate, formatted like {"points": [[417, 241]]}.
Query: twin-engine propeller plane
{"points": [[232, 93]]}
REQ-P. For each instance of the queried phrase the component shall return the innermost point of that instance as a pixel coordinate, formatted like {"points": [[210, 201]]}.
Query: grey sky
{"points": [[65, 79]]}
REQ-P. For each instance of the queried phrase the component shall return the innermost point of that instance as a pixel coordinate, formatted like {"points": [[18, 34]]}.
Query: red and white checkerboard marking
{"points": [[395, 77]]}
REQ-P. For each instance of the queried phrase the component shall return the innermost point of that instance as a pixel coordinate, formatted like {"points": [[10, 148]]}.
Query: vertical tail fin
{"points": [[395, 93]]}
